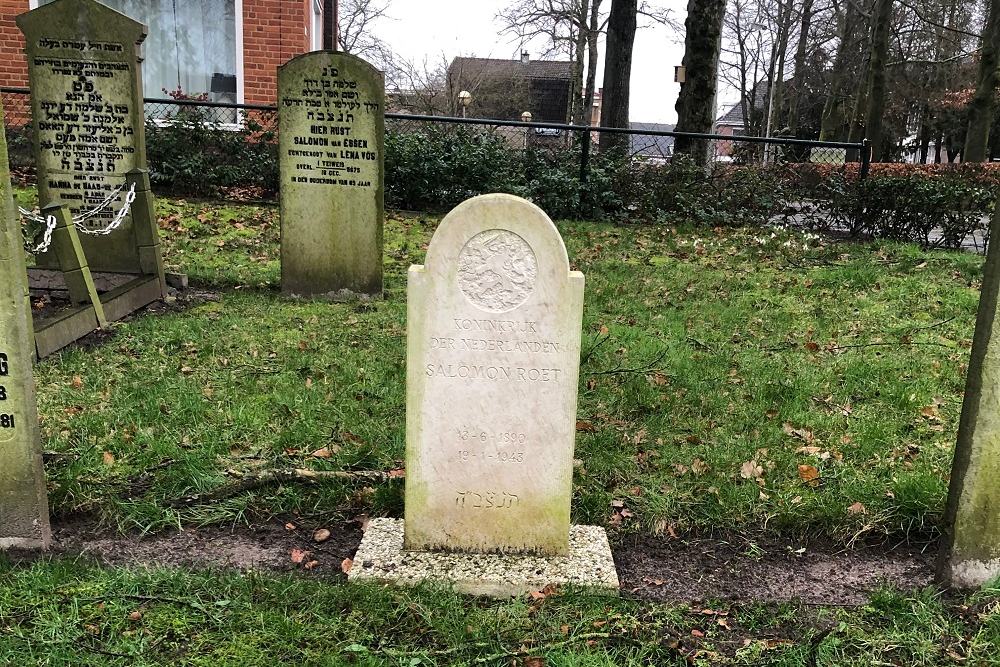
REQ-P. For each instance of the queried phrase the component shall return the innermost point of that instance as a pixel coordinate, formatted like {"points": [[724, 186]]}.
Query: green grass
{"points": [[720, 367], [60, 612], [715, 364]]}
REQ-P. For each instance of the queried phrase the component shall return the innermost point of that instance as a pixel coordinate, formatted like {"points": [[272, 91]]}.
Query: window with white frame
{"points": [[192, 48], [317, 25]]}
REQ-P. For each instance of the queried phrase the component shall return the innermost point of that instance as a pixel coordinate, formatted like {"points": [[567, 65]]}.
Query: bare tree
{"points": [[355, 28], [981, 108], [696, 102], [618, 71]]}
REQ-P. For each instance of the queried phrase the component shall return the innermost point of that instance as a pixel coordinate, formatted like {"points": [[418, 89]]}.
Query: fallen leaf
{"points": [[534, 661], [699, 467], [298, 556], [135, 616], [751, 470], [321, 535], [585, 426], [77, 382], [323, 453], [397, 473], [311, 564], [346, 565], [809, 474], [697, 633], [857, 508], [290, 526], [109, 458]]}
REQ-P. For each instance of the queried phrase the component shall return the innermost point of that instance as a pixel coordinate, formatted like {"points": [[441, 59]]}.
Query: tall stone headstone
{"points": [[970, 553], [24, 517], [86, 102], [331, 110], [493, 352]]}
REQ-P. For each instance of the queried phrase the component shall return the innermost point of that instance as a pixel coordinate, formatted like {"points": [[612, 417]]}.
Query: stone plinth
{"points": [[588, 563]]}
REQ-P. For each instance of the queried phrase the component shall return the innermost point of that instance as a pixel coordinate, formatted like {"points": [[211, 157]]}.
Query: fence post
{"points": [[866, 159], [585, 155]]}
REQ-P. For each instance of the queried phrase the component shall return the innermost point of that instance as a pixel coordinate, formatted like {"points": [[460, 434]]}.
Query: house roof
{"points": [[651, 145], [496, 67], [734, 115]]}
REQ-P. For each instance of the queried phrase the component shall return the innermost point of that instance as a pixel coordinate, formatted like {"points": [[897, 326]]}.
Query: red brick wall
{"points": [[273, 32], [13, 65]]}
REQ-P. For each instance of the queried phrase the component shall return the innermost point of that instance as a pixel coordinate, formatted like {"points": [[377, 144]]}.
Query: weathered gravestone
{"points": [[87, 108], [970, 554], [332, 127], [86, 101], [493, 350], [24, 518]]}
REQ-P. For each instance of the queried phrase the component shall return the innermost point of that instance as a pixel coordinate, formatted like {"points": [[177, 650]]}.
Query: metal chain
{"points": [[78, 220], [50, 225], [116, 222]]}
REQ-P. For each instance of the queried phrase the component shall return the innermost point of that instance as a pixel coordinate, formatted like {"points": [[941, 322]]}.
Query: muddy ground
{"points": [[730, 567]]}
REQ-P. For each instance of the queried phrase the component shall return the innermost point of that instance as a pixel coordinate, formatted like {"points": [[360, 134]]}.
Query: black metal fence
{"points": [[652, 145]]}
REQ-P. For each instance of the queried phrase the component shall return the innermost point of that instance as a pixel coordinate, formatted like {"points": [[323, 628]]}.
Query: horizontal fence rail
{"points": [[641, 143]]}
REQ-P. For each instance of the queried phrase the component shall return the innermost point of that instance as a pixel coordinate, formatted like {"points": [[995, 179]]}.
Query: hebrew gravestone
{"points": [[24, 519], [86, 102], [332, 126], [493, 353], [970, 554]]}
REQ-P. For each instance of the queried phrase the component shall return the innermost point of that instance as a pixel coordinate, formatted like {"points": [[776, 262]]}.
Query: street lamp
{"points": [[465, 99], [526, 118]]}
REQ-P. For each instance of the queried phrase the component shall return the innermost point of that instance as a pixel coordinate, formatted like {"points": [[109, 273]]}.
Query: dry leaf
{"points": [[585, 426], [750, 470], [346, 565], [298, 556], [311, 564], [857, 508], [109, 458], [323, 453], [321, 535], [77, 382], [809, 474], [699, 467]]}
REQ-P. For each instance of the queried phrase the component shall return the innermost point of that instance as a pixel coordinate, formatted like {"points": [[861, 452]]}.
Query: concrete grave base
{"points": [[381, 558]]}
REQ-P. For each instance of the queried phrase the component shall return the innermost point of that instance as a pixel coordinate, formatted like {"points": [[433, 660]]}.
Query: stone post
{"points": [[24, 515], [970, 553]]}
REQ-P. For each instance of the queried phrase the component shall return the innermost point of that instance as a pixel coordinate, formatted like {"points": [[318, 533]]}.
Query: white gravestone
{"points": [[493, 352]]}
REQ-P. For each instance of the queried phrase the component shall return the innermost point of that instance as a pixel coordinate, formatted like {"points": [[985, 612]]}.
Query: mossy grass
{"points": [[743, 379], [730, 378]]}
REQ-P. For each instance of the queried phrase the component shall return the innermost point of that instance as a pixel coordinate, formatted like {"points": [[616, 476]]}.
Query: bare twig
{"points": [[255, 480]]}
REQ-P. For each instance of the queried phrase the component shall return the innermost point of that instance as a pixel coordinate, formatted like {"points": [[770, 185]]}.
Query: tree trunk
{"points": [[835, 107], [798, 75], [593, 34], [877, 88], [618, 72], [580, 46], [977, 136], [696, 101]]}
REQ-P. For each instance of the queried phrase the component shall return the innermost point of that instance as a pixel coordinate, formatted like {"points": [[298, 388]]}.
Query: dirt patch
{"points": [[264, 547], [765, 569], [734, 568]]}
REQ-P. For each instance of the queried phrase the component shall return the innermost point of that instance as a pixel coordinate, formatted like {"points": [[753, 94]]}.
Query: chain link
{"points": [[78, 220], [50, 225]]}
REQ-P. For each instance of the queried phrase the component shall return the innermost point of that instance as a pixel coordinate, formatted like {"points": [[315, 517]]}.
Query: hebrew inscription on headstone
{"points": [[86, 103], [24, 519], [493, 351], [332, 125]]}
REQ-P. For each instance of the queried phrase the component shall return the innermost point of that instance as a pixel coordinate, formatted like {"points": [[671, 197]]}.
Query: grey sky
{"points": [[428, 29]]}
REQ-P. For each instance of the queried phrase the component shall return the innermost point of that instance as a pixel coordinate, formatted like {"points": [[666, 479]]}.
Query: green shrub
{"points": [[187, 153]]}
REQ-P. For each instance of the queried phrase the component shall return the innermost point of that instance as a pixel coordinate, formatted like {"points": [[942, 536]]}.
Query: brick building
{"points": [[227, 49]]}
